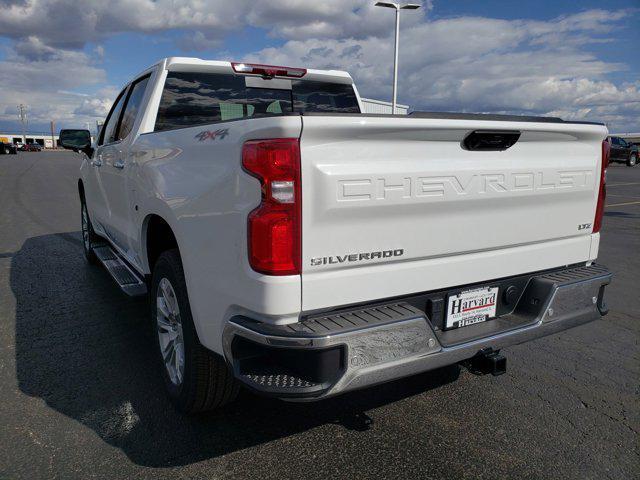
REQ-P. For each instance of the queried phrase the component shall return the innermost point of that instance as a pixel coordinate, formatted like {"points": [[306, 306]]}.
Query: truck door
{"points": [[106, 145], [115, 171]]}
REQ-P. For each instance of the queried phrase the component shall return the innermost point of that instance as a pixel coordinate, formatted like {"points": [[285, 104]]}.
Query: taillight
{"points": [[274, 231], [602, 194], [268, 70]]}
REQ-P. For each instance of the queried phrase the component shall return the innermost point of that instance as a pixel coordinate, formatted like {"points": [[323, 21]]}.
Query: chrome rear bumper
{"points": [[393, 340]]}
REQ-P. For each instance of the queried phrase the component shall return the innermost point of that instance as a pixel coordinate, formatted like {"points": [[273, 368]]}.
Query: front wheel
{"points": [[88, 235], [196, 379], [633, 160]]}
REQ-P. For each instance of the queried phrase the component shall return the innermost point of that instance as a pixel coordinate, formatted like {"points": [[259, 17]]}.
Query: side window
{"points": [[108, 131], [136, 93]]}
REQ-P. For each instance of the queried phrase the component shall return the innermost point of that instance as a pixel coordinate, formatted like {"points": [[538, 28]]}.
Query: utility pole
{"points": [[22, 109], [53, 128], [397, 7]]}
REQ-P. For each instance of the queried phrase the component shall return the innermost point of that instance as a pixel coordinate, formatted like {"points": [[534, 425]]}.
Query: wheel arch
{"points": [[157, 237]]}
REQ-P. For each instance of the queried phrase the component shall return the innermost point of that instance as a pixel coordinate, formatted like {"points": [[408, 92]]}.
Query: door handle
{"points": [[119, 164], [97, 162]]}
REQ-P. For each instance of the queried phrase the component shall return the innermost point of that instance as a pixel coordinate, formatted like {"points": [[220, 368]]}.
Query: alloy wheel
{"points": [[170, 333]]}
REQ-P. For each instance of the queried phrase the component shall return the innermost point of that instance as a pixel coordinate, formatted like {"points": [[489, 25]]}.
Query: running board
{"points": [[125, 277]]}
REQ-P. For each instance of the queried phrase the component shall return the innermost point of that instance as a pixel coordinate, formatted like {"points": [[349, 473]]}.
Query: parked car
{"points": [[293, 245], [8, 148], [623, 151], [32, 147]]}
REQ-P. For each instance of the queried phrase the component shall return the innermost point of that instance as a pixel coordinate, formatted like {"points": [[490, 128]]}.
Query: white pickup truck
{"points": [[293, 245]]}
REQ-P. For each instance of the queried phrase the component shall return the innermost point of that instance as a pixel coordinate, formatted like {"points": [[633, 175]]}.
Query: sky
{"points": [[66, 60]]}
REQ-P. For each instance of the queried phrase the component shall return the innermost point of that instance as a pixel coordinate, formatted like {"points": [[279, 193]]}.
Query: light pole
{"points": [[397, 7]]}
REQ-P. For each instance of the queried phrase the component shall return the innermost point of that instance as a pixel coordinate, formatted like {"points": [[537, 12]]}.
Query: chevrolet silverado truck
{"points": [[293, 245]]}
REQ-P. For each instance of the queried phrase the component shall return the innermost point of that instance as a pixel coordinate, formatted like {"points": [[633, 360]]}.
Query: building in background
{"points": [[45, 140], [378, 106], [629, 137]]}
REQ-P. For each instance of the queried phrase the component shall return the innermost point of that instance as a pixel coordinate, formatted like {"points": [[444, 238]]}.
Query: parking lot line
{"points": [[623, 204], [622, 184]]}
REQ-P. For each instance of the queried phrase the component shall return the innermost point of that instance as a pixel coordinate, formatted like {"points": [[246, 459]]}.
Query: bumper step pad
{"points": [[337, 323], [282, 384], [125, 277]]}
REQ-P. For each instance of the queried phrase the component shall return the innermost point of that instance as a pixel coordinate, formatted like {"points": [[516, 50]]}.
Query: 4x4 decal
{"points": [[212, 134]]}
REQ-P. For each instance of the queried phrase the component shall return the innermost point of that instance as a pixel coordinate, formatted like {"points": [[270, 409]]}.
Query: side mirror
{"points": [[76, 140]]}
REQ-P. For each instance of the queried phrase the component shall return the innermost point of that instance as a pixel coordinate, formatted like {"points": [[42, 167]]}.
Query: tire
{"points": [[633, 160], [89, 237], [202, 381]]}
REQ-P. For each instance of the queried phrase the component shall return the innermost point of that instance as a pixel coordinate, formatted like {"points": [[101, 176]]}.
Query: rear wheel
{"points": [[196, 379], [88, 235], [633, 160]]}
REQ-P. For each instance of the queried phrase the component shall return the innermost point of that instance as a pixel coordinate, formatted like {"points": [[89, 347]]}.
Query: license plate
{"points": [[471, 306]]}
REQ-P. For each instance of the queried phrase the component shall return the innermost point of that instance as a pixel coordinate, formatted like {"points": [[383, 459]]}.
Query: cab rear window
{"points": [[192, 98]]}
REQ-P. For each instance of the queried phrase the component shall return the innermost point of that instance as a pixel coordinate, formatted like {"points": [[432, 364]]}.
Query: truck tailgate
{"points": [[394, 205]]}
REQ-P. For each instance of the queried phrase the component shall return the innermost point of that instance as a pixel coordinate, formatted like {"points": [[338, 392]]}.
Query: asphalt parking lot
{"points": [[80, 396]]}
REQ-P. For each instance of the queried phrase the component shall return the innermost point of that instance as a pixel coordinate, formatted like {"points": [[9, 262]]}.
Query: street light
{"points": [[397, 7]]}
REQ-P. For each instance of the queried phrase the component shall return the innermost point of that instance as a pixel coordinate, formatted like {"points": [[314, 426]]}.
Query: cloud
{"points": [[303, 19], [46, 65], [94, 107], [73, 23], [32, 48], [459, 63], [484, 64], [198, 41], [44, 78]]}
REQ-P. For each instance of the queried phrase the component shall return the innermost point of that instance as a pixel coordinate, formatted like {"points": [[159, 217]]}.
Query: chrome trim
{"points": [[387, 352]]}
